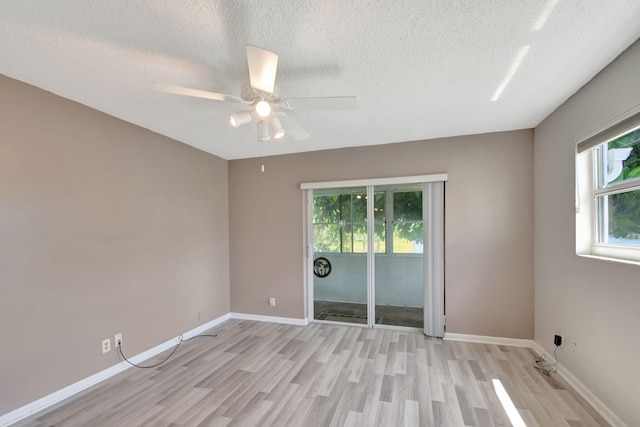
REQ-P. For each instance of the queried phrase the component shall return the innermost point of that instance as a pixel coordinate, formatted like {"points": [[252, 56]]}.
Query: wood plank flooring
{"points": [[267, 374]]}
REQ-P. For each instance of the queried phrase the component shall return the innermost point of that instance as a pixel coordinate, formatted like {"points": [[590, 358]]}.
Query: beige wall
{"points": [[488, 225], [104, 228], [594, 304]]}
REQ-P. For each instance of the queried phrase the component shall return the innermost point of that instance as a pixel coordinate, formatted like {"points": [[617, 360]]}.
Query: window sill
{"points": [[610, 259]]}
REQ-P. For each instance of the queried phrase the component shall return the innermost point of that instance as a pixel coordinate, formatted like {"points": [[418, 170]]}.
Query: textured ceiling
{"points": [[420, 69]]}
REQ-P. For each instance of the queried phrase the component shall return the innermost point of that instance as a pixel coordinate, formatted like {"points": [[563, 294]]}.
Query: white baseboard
{"points": [[55, 397], [271, 319], [582, 390], [205, 326], [515, 342]]}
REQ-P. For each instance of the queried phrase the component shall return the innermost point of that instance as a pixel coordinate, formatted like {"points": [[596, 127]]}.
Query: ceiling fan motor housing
{"points": [[249, 94]]}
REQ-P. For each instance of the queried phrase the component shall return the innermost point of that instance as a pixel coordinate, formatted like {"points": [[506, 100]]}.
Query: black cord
{"points": [[170, 354], [547, 368]]}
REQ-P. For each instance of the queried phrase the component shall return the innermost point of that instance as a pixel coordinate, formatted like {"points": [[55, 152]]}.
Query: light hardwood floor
{"points": [[267, 374]]}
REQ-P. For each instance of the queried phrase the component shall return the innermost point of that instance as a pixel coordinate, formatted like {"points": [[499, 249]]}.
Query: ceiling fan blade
{"points": [[262, 68], [334, 103], [292, 128], [180, 90]]}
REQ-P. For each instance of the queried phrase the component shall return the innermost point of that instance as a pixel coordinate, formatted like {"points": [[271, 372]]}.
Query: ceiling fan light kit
{"points": [[240, 118], [263, 109], [264, 97], [263, 131], [276, 128]]}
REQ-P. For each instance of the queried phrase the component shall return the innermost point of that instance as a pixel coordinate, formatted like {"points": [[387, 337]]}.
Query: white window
{"points": [[608, 192], [340, 221]]}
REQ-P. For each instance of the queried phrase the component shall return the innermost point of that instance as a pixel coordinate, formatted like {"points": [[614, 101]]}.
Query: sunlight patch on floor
{"points": [[507, 404]]}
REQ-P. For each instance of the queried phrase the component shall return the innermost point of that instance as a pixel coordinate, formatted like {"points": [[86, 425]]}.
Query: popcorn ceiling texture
{"points": [[420, 69]]}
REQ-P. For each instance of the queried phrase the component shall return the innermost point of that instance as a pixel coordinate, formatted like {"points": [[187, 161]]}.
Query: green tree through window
{"points": [[339, 221], [624, 207]]}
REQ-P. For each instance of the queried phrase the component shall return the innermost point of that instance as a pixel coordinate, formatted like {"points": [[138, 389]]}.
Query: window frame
{"points": [[388, 223], [592, 193], [351, 223]]}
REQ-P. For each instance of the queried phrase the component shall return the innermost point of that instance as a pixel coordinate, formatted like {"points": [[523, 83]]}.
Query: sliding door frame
{"points": [[433, 256]]}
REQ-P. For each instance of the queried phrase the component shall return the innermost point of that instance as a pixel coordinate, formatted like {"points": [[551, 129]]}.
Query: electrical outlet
{"points": [[117, 340], [557, 340], [106, 345], [272, 302]]}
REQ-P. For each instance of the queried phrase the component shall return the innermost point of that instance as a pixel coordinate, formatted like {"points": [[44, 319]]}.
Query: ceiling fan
{"points": [[263, 96]]}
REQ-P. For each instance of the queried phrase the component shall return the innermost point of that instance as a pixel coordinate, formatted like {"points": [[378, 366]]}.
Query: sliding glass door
{"points": [[340, 249], [375, 252], [398, 279]]}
